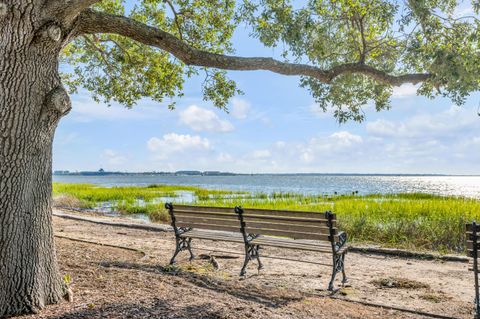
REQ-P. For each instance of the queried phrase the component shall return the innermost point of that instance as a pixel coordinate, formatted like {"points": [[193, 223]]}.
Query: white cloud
{"points": [[383, 127], [280, 144], [346, 138], [173, 142], [225, 158], [113, 158], [405, 90], [200, 119], [240, 109], [261, 154], [309, 156], [446, 123]]}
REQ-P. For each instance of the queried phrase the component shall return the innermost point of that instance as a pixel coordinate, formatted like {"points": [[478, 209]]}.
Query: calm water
{"points": [[468, 186]]}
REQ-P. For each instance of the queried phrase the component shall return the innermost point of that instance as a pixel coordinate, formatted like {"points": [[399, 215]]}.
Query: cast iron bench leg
{"points": [[338, 266], [330, 285], [344, 279], [245, 263], [177, 250], [251, 252], [182, 244], [260, 265]]}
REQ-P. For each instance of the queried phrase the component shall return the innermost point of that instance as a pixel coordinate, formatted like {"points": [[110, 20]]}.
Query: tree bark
{"points": [[32, 101]]}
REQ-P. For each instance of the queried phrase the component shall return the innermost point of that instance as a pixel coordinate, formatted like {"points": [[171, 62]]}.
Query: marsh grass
{"points": [[410, 221], [414, 221]]}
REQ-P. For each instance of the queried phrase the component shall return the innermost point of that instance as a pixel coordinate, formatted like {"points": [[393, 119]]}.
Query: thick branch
{"points": [[91, 22], [69, 9]]}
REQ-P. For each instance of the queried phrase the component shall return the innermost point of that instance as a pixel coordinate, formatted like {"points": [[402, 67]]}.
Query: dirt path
{"points": [[118, 283]]}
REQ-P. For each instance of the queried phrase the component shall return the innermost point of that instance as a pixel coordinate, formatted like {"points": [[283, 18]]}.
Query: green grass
{"points": [[413, 221], [129, 199]]}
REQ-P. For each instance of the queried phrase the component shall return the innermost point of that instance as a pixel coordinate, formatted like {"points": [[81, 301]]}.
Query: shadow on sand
{"points": [[268, 297], [156, 309], [159, 308]]}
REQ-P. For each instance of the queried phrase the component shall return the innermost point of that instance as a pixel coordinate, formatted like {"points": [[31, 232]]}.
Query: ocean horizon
{"points": [[314, 183]]}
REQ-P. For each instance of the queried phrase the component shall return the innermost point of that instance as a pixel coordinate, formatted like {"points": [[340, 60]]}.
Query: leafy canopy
{"points": [[428, 37]]}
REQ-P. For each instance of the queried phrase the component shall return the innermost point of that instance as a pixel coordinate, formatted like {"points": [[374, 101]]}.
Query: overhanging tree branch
{"points": [[68, 9], [92, 22]]}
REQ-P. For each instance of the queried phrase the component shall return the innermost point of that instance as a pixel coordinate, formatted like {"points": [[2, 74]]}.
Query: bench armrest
{"points": [[342, 239]]}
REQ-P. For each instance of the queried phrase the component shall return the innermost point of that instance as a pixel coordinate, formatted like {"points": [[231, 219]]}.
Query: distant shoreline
{"points": [[218, 173]]}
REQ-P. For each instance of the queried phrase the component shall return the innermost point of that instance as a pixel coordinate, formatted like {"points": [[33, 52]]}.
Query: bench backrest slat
{"points": [[230, 222], [186, 214], [290, 220], [285, 213], [283, 226], [207, 209], [209, 226]]}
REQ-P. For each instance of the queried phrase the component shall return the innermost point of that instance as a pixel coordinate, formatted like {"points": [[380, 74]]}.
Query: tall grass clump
{"points": [[131, 199]]}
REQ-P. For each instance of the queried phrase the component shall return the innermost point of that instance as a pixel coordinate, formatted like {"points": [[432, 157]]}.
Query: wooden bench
{"points": [[473, 230], [259, 228]]}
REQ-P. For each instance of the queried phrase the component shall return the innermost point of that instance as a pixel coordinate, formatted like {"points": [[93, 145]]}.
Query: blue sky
{"points": [[275, 127]]}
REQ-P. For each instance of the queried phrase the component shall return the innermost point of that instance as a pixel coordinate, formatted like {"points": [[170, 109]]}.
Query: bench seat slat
{"points": [[292, 244], [283, 233], [295, 241]]}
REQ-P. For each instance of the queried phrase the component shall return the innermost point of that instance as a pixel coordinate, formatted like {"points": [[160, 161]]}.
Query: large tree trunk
{"points": [[31, 103]]}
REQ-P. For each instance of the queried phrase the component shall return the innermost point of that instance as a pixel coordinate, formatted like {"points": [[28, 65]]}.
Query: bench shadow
{"points": [[266, 296], [157, 309]]}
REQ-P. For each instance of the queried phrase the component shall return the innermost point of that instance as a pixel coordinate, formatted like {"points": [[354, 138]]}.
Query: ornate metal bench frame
{"points": [[252, 250]]}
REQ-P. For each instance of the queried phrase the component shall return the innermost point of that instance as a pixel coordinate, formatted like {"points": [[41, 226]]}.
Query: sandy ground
{"points": [[112, 282]]}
